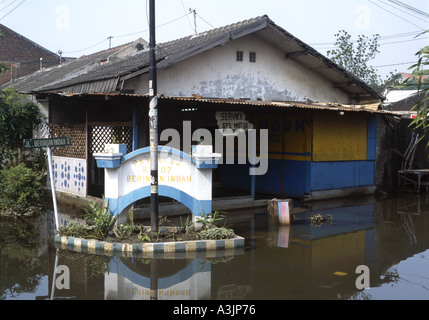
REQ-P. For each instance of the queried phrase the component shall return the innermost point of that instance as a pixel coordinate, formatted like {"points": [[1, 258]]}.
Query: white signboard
{"points": [[231, 122]]}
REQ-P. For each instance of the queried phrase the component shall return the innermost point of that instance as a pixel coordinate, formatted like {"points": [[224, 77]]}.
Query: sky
{"points": [[79, 27]]}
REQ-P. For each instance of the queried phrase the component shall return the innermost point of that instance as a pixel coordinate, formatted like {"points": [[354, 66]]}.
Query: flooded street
{"points": [[390, 237]]}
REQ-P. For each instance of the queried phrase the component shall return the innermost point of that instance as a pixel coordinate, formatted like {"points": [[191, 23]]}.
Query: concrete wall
{"points": [[217, 74]]}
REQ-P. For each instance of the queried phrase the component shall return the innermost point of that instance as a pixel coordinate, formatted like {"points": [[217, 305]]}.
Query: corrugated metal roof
{"points": [[372, 108]]}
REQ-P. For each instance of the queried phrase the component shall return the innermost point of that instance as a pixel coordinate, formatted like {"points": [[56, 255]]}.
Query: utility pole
{"points": [[153, 121]]}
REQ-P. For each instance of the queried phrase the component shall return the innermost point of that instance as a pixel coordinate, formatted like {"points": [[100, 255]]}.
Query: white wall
{"points": [[217, 74], [398, 95]]}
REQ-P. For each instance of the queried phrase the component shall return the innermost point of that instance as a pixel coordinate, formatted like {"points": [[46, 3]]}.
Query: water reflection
{"points": [[302, 261], [97, 277], [23, 251], [311, 262]]}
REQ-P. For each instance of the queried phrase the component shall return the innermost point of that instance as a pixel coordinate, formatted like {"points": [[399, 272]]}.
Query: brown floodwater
{"points": [[388, 237]]}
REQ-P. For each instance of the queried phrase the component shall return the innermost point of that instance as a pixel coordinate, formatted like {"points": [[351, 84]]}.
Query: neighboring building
{"points": [[322, 121], [404, 97], [22, 56]]}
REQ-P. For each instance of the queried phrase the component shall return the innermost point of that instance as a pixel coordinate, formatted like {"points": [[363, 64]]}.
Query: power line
{"points": [[408, 7], [393, 36], [8, 5], [404, 11], [395, 64], [396, 15], [87, 48], [13, 9], [184, 9], [125, 35], [381, 44], [205, 21]]}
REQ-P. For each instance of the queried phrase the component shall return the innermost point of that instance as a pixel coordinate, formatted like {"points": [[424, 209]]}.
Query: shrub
{"points": [[77, 230], [217, 234], [22, 190], [100, 216], [19, 117]]}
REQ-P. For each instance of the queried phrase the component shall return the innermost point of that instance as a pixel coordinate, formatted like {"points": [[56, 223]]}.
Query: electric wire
{"points": [[395, 15], [125, 35], [16, 7], [382, 38], [205, 21], [395, 64], [424, 20], [5, 7], [411, 8], [184, 9]]}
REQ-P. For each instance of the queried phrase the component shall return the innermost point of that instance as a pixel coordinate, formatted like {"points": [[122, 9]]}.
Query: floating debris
{"points": [[318, 220]]}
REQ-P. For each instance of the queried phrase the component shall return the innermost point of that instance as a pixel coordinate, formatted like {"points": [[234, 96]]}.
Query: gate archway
{"points": [[182, 177]]}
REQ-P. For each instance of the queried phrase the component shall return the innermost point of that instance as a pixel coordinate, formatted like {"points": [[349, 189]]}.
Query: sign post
{"points": [[49, 144]]}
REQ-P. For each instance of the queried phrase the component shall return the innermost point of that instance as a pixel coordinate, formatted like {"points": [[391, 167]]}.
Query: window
{"points": [[240, 56], [252, 57]]}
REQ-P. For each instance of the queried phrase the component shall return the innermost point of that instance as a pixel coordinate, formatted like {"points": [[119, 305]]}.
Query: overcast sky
{"points": [[78, 27]]}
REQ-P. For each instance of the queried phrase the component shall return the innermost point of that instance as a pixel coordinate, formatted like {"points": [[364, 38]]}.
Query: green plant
{"points": [[78, 230], [419, 71], [188, 226], [100, 216], [19, 117], [124, 231], [144, 237], [209, 220], [21, 188], [217, 234]]}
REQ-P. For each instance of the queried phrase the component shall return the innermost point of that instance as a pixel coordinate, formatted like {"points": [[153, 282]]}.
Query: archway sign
{"points": [[182, 177]]}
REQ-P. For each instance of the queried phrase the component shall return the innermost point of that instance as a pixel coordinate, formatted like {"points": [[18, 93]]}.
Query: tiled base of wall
{"points": [[212, 248]]}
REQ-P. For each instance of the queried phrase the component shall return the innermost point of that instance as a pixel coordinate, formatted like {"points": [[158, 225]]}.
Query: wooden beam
{"points": [[296, 54]]}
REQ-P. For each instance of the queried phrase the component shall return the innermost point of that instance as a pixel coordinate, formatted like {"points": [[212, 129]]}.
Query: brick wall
{"points": [[15, 48]]}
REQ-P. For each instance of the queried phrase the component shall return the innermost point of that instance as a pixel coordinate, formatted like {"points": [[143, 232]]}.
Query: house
{"points": [[322, 122], [22, 56], [402, 98]]}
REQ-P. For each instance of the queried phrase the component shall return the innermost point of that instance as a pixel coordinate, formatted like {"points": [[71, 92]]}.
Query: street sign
{"points": [[47, 143]]}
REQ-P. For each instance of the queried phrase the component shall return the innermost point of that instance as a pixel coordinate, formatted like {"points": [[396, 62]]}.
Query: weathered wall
{"points": [[217, 74]]}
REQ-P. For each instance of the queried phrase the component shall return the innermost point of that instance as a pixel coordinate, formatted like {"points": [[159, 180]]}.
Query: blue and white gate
{"points": [[182, 177]]}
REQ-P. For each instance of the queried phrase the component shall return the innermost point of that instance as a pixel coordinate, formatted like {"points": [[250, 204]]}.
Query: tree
{"points": [[3, 68], [420, 70], [19, 117], [355, 59]]}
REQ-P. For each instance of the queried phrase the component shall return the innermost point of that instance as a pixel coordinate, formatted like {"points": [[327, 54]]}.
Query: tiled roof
{"points": [[64, 74], [87, 74]]}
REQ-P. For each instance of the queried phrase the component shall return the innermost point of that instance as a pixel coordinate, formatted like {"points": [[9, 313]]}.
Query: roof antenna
{"points": [[110, 41], [194, 11]]}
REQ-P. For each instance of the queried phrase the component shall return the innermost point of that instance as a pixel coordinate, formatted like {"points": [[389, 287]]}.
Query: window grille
{"points": [[252, 57]]}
